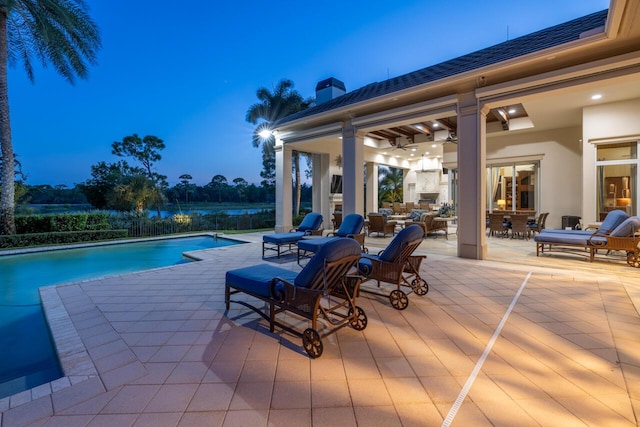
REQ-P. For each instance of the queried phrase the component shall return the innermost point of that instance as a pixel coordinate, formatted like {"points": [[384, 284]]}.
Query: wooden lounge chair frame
{"points": [[404, 271], [331, 296], [595, 243]]}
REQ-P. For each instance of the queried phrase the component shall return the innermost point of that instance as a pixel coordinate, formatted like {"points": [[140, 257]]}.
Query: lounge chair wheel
{"points": [[359, 322], [633, 260], [420, 287], [398, 300], [312, 343]]}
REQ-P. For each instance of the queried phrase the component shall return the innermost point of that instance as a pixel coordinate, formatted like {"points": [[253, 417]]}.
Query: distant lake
{"points": [[167, 214], [54, 209]]}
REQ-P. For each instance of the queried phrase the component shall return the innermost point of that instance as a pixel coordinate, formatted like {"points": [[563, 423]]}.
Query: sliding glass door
{"points": [[513, 187]]}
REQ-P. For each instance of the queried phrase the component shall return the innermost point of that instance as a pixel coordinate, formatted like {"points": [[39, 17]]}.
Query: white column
{"points": [[372, 188], [321, 187], [472, 179], [284, 185], [353, 172]]}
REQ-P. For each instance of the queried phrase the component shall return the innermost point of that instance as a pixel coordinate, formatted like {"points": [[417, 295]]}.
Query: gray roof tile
{"points": [[543, 39]]}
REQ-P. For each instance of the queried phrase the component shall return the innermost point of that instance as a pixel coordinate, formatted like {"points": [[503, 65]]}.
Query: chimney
{"points": [[328, 89]]}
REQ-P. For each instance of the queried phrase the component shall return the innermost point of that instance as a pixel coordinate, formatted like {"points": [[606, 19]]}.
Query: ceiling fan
{"points": [[451, 138], [399, 145]]}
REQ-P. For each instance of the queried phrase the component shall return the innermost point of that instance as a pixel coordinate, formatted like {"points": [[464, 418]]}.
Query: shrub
{"points": [[59, 238]]}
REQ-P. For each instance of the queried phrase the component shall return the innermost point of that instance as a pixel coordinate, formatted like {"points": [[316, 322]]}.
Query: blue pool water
{"points": [[27, 355]]}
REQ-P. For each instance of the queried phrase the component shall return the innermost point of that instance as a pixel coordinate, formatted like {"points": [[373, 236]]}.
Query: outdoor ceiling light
{"points": [[265, 133]]}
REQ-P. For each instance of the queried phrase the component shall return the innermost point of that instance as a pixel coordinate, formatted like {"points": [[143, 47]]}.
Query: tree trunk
{"points": [[7, 199]]}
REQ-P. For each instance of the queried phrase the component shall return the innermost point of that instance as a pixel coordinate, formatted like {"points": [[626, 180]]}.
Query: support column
{"points": [[352, 167], [472, 180], [284, 188], [372, 188], [321, 187]]}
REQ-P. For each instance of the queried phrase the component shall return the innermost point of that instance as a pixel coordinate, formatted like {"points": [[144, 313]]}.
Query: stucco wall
{"points": [[613, 121]]}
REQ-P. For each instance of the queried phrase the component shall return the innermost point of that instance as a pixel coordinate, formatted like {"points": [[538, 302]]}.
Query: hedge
{"points": [[59, 238]]}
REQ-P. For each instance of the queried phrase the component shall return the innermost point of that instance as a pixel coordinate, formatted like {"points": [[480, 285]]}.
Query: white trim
{"points": [[333, 129], [614, 140]]}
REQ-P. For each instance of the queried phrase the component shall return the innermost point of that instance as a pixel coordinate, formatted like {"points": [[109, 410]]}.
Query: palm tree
{"points": [[390, 185], [59, 32], [273, 106]]}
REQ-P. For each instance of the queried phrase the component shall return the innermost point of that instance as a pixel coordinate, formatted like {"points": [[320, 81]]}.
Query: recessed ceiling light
{"points": [[413, 149], [384, 152], [435, 125], [596, 96], [511, 111], [434, 145], [412, 154], [426, 152]]}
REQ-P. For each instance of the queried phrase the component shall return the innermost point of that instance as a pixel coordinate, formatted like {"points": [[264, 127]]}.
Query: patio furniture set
{"points": [[386, 222], [521, 225], [329, 284]]}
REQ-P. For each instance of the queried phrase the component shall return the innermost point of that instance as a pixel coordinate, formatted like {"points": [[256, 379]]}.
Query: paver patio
{"points": [[509, 341]]}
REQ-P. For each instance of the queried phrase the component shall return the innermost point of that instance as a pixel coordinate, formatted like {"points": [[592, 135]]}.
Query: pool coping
{"points": [[75, 361]]}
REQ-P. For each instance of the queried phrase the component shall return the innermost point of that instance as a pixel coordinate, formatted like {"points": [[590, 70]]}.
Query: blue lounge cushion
{"points": [[611, 221], [351, 224], [283, 238], [407, 234], [256, 279], [627, 228], [569, 238], [393, 250], [311, 221], [333, 250], [313, 245]]}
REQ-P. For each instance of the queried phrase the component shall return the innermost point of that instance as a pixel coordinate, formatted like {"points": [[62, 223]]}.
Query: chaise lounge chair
{"points": [[611, 221], [351, 227], [396, 265], [622, 238], [323, 289], [310, 225]]}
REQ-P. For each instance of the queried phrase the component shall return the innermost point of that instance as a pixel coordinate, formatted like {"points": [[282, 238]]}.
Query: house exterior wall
{"points": [[606, 122], [559, 153]]}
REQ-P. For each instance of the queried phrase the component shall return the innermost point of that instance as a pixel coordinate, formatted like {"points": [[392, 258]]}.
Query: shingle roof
{"points": [[543, 39]]}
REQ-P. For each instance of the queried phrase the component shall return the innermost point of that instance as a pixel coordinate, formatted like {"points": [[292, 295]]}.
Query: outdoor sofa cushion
{"points": [[416, 214], [385, 212]]}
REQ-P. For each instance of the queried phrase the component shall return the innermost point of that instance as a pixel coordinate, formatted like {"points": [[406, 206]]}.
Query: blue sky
{"points": [[188, 71]]}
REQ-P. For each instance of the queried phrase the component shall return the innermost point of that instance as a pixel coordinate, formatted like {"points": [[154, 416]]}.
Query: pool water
{"points": [[27, 354]]}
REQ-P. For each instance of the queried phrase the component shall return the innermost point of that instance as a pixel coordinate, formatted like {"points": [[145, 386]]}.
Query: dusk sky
{"points": [[187, 72]]}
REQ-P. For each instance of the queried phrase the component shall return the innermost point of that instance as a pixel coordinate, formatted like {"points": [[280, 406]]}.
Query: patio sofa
{"points": [[623, 237]]}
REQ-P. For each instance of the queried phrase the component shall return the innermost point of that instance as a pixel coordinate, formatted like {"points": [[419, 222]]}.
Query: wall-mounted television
{"points": [[336, 184]]}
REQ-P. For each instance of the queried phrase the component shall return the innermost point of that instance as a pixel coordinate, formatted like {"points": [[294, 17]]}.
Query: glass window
{"points": [[624, 151], [512, 187], [617, 178], [617, 186]]}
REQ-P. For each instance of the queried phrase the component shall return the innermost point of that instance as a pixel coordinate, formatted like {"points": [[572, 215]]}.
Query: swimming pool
{"points": [[27, 354]]}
